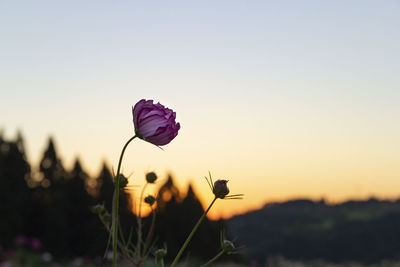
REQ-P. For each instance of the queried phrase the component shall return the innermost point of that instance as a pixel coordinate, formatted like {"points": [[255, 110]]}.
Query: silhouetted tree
{"points": [[127, 218], [176, 218], [47, 213], [51, 167], [53, 204], [79, 216], [105, 193], [105, 188], [206, 242], [168, 223], [14, 193]]}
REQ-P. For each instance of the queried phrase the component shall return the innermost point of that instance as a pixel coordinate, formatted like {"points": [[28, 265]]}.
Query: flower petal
{"points": [[154, 122]]}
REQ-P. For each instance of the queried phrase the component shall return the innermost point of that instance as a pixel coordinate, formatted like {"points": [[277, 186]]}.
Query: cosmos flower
{"points": [[154, 123]]}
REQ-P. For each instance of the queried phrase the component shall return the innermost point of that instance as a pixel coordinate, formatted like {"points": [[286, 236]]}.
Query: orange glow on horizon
{"points": [[225, 209]]}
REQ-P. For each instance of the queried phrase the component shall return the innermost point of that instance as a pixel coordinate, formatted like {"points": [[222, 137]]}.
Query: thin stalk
{"points": [[120, 245], [191, 234], [213, 259], [162, 262], [116, 203], [151, 231], [139, 220]]}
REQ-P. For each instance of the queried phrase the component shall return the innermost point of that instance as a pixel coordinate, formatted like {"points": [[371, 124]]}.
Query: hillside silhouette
{"points": [[362, 231]]}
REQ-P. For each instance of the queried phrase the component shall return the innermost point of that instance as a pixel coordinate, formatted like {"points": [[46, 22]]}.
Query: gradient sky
{"points": [[283, 98]]}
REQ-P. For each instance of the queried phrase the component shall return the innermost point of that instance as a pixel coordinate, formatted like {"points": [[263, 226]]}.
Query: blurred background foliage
{"points": [[53, 204], [50, 204]]}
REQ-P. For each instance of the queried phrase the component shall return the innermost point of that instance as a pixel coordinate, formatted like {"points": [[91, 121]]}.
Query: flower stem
{"points": [[150, 233], [139, 221], [116, 204], [191, 234], [120, 245], [213, 259]]}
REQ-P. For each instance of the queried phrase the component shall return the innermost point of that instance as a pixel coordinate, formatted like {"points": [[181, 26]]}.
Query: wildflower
{"points": [[154, 123], [21, 240], [36, 244], [151, 177]]}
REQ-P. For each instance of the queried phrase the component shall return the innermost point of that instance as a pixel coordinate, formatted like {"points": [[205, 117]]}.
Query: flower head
{"points": [[151, 177], [220, 188], [123, 181], [36, 244], [150, 200], [21, 240], [154, 123]]}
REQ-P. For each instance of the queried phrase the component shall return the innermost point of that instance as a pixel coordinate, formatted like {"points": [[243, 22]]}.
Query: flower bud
{"points": [[150, 200], [220, 188], [154, 123], [123, 181], [107, 218], [160, 253], [227, 246], [151, 177], [97, 209]]}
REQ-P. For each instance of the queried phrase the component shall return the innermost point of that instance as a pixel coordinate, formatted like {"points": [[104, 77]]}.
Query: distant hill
{"points": [[363, 231]]}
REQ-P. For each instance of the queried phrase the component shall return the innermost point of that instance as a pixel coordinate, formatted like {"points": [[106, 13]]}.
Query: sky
{"points": [[285, 99]]}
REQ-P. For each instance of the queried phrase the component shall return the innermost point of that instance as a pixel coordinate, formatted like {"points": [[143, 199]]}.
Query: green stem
{"points": [[151, 231], [116, 203], [120, 245], [139, 220], [191, 234], [162, 262], [213, 259]]}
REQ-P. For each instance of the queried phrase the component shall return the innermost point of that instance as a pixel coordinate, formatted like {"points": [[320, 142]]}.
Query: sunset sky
{"points": [[285, 99]]}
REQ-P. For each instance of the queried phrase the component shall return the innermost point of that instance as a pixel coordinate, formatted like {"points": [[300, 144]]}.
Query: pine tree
{"points": [[79, 216], [14, 193], [206, 241], [176, 218], [48, 217], [105, 188]]}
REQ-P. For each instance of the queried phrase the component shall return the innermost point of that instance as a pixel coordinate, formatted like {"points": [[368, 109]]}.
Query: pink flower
{"points": [[154, 123], [21, 240], [36, 244]]}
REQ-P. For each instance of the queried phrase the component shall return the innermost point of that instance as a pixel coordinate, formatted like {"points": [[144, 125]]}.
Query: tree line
{"points": [[52, 204]]}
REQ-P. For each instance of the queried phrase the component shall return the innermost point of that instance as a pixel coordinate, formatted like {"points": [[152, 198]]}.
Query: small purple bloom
{"points": [[36, 244], [21, 240], [154, 123]]}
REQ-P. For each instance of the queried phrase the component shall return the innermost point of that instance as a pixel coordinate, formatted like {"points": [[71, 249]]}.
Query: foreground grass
{"points": [[281, 262], [28, 258]]}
